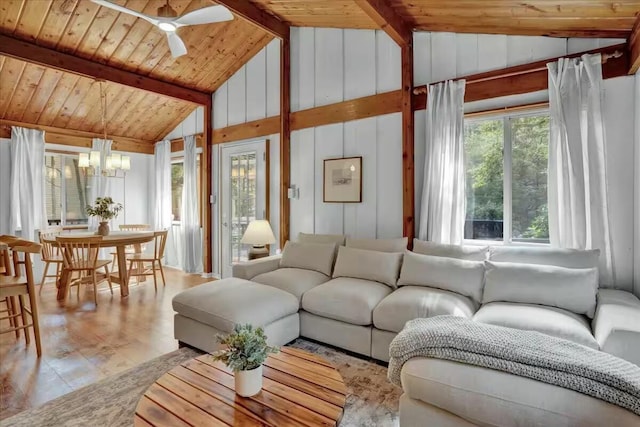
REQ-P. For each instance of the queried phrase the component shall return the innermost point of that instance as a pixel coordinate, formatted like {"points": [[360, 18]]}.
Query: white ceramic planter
{"points": [[248, 383]]}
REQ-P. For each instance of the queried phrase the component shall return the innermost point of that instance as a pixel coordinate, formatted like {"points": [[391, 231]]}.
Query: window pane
{"points": [[177, 179], [530, 151], [243, 201], [76, 192], [484, 168], [53, 189]]}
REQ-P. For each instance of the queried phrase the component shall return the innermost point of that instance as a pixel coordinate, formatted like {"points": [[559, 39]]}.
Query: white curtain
{"points": [[443, 201], [161, 195], [28, 211], [100, 184], [578, 203], [190, 216]]}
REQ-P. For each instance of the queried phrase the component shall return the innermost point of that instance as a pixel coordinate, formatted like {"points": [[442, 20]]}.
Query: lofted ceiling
{"points": [[33, 94]]}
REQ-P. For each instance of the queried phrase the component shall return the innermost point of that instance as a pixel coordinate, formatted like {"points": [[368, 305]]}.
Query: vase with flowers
{"points": [[105, 209]]}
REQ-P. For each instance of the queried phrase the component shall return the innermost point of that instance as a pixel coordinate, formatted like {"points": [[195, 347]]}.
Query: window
{"points": [[506, 166], [66, 190], [177, 182]]}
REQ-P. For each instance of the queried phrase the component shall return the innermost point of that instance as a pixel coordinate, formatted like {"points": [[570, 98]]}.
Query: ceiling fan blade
{"points": [[123, 9], [207, 15], [176, 45]]}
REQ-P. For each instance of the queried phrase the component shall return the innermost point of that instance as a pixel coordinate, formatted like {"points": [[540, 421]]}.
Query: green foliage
{"points": [[105, 208], [485, 173], [246, 348]]}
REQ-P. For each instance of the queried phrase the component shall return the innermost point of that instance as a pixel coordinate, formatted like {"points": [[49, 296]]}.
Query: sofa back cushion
{"points": [[572, 289], [471, 253], [568, 258], [380, 245], [460, 276], [380, 267], [309, 256], [337, 239]]}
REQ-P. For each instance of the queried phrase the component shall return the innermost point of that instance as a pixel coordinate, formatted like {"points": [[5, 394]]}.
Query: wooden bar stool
{"points": [[80, 255], [50, 254], [21, 286], [159, 242]]}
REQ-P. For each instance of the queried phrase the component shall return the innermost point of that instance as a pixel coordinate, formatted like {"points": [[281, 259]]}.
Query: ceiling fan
{"points": [[169, 21]]}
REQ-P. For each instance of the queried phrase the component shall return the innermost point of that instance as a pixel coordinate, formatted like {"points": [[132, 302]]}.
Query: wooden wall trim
{"points": [[206, 172], [248, 130], [285, 139], [26, 51], [258, 17], [527, 78], [388, 20], [345, 111], [408, 135], [78, 138], [634, 47], [177, 144]]}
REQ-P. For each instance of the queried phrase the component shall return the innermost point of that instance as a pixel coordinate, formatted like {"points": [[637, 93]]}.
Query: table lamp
{"points": [[258, 235]]}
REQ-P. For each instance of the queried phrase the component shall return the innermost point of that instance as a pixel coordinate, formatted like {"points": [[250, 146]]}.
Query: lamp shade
{"points": [[126, 163], [116, 161], [83, 160], [94, 159], [258, 233]]}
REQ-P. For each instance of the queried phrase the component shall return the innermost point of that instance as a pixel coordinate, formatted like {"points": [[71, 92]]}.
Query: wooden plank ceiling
{"points": [[84, 29], [33, 94], [559, 18]]}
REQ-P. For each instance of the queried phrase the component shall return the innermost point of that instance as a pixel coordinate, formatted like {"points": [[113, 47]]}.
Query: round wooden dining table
{"points": [[116, 239]]}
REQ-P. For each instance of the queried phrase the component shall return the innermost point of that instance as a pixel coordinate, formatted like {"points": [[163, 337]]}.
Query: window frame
{"points": [[63, 186], [507, 183], [179, 159]]}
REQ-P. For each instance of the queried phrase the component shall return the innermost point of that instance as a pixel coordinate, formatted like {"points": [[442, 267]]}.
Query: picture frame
{"points": [[342, 180]]}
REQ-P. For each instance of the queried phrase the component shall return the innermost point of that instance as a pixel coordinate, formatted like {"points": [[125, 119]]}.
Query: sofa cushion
{"points": [[296, 281], [338, 239], [468, 252], [309, 256], [412, 302], [456, 275], [547, 320], [368, 265], [568, 258], [227, 302], [572, 289], [345, 299], [380, 245], [616, 325]]}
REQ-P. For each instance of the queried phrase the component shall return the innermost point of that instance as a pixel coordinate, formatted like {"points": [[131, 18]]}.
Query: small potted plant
{"points": [[246, 350], [105, 209]]}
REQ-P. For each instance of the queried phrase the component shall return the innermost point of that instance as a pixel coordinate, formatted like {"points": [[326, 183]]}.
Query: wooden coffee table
{"points": [[299, 389]]}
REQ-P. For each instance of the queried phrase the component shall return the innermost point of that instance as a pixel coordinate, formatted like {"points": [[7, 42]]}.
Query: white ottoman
{"points": [[216, 307]]}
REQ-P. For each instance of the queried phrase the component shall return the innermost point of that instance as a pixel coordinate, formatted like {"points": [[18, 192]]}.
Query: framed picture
{"points": [[343, 180]]}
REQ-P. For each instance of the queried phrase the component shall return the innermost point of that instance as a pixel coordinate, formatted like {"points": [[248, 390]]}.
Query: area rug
{"points": [[372, 400]]}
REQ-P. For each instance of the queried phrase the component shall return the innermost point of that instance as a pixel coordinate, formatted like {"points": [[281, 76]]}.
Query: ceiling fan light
{"points": [[167, 26]]}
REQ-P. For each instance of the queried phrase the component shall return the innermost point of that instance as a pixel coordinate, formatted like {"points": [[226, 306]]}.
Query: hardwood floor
{"points": [[83, 344]]}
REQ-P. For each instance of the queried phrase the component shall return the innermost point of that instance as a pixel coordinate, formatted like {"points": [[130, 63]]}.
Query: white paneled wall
{"points": [[333, 65], [5, 178], [193, 124], [636, 180]]}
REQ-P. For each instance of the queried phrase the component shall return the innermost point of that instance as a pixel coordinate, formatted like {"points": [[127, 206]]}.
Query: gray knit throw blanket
{"points": [[525, 353]]}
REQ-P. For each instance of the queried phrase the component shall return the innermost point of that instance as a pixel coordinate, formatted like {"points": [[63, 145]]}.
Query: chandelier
{"points": [[92, 162]]}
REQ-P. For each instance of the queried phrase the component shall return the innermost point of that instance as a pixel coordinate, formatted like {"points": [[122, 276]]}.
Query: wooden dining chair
{"points": [[50, 254], [159, 243], [129, 249], [20, 286], [11, 307], [80, 255]]}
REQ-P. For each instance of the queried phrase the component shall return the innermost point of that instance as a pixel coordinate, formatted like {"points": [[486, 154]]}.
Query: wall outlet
{"points": [[293, 192]]}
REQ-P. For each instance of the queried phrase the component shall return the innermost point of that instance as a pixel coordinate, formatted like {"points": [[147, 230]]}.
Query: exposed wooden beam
{"points": [[253, 129], [78, 138], [260, 18], [29, 52], [634, 47], [206, 172], [390, 22], [408, 161], [285, 139], [354, 109]]}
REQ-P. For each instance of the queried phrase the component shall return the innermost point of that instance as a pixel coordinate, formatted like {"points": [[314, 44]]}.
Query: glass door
{"points": [[243, 198]]}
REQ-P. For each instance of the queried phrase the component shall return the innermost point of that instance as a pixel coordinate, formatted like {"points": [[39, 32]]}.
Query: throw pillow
{"points": [[468, 252], [380, 267], [309, 256], [380, 245]]}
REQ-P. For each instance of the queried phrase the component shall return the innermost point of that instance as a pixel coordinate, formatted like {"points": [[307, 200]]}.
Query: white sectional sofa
{"points": [[357, 294]]}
